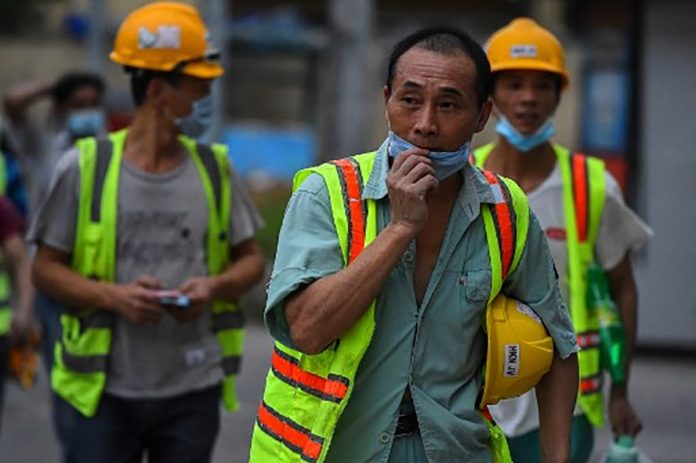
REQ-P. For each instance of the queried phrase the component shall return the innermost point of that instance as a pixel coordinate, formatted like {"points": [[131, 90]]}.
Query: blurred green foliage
{"points": [[271, 204]]}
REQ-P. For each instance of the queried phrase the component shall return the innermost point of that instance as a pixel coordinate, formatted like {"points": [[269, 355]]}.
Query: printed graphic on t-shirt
{"points": [[163, 236]]}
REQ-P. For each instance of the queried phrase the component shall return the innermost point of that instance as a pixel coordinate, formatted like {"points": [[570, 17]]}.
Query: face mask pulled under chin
{"points": [[445, 163], [199, 121], [522, 142]]}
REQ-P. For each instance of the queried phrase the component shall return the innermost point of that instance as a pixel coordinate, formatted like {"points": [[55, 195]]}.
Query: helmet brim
{"points": [[203, 69], [533, 65]]}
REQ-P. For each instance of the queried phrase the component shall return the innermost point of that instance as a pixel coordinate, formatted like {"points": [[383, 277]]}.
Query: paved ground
{"points": [[664, 392]]}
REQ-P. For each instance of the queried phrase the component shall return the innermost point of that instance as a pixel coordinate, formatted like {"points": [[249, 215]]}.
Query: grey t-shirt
{"points": [[162, 224]]}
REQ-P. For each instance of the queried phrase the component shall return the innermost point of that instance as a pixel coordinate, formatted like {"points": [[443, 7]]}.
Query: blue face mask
{"points": [[445, 163], [199, 121], [525, 143], [85, 122]]}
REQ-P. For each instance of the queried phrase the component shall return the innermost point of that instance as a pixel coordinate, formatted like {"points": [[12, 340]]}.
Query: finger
{"points": [[188, 286], [149, 282], [425, 185], [419, 171], [409, 163], [401, 158]]}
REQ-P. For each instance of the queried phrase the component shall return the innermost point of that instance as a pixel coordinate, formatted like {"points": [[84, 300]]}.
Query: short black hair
{"points": [[68, 83], [446, 41], [141, 78]]}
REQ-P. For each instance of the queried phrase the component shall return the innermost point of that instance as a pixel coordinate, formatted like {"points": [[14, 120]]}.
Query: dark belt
{"points": [[407, 424]]}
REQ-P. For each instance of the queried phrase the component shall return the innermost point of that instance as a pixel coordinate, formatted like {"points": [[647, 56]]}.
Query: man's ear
{"points": [[484, 115], [386, 93], [156, 90]]}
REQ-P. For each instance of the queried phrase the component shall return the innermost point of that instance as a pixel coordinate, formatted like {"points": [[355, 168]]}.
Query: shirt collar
{"points": [[476, 187]]}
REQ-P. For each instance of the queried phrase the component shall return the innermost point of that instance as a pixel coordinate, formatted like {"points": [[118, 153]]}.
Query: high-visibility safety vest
{"points": [[5, 287], [79, 374], [584, 192], [305, 395]]}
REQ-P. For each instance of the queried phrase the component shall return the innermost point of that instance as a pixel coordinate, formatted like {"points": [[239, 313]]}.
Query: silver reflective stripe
{"points": [[97, 319], [228, 320], [104, 153], [231, 365], [84, 364], [205, 152]]}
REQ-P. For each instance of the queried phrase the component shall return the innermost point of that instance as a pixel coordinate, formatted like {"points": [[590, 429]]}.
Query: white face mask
{"points": [[201, 118], [445, 163], [522, 142]]}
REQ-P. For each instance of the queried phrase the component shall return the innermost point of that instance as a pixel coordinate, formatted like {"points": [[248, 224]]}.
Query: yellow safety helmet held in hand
{"points": [[520, 350], [523, 44], [166, 36]]}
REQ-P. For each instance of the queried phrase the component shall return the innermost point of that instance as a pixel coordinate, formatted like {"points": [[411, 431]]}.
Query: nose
{"points": [[528, 95], [426, 122]]}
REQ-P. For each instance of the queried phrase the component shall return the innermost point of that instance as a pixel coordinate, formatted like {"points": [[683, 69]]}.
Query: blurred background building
{"points": [[305, 78]]}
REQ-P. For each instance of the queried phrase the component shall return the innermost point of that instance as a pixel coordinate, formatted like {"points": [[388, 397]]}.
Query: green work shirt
{"points": [[437, 348]]}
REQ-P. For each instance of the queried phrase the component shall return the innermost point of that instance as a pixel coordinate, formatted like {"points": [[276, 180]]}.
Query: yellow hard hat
{"points": [[166, 36], [520, 350], [524, 44]]}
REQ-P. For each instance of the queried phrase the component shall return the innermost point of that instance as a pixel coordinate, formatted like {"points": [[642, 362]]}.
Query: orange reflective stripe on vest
{"points": [[588, 340], [295, 437], [349, 173], [591, 384], [503, 219], [287, 369], [580, 194]]}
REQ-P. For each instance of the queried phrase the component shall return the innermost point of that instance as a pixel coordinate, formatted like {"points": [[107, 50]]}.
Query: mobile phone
{"points": [[173, 299]]}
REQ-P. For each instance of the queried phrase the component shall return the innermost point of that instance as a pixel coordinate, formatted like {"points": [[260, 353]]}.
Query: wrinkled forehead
{"points": [[455, 69]]}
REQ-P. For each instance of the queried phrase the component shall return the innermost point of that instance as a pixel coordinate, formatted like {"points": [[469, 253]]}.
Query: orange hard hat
{"points": [[525, 45], [166, 36]]}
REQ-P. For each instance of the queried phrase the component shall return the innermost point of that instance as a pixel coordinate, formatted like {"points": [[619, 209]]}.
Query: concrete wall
{"points": [[665, 271]]}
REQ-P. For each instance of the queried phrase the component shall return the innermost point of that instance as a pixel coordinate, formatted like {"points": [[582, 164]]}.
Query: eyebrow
{"points": [[448, 90]]}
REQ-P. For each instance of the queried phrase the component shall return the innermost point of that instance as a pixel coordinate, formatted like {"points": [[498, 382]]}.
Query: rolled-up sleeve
{"points": [[535, 282], [308, 250]]}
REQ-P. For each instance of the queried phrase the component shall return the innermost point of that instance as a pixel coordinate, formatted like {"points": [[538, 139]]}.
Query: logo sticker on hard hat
{"points": [[511, 365], [523, 51], [164, 37]]}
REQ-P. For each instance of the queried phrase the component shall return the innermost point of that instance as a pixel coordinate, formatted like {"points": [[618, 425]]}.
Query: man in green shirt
{"points": [[415, 391]]}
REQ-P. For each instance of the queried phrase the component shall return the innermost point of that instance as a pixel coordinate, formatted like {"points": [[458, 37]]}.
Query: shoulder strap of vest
{"points": [[589, 190], [479, 156], [101, 165], [354, 219], [205, 152], [506, 224]]}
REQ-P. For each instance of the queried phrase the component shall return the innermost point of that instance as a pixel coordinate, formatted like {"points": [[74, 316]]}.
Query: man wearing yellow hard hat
{"points": [[147, 238], [581, 210]]}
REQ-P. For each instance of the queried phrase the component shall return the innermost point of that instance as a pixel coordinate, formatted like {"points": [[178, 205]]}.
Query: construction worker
{"points": [[147, 236], [386, 263], [15, 263], [76, 111], [582, 213]]}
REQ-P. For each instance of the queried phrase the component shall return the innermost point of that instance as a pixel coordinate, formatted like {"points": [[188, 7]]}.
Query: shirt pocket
{"points": [[477, 284]]}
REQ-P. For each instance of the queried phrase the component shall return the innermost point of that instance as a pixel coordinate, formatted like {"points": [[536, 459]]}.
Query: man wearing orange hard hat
{"points": [[148, 236], [589, 229]]}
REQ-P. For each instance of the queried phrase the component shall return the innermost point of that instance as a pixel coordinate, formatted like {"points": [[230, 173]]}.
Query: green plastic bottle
{"points": [[611, 330]]}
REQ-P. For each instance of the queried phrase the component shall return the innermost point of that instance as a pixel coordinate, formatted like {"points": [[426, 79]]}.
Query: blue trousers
{"points": [[180, 429]]}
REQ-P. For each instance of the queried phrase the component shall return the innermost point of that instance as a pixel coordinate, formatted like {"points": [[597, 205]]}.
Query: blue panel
{"points": [[605, 110], [277, 153]]}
